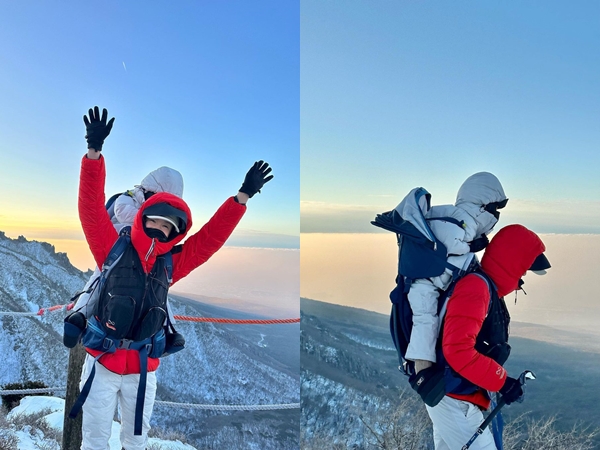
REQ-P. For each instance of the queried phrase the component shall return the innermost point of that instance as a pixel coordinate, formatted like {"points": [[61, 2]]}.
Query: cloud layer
{"points": [[542, 216], [359, 270]]}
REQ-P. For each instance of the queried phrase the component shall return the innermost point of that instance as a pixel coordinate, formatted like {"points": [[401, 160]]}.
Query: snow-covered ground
{"points": [[31, 438]]}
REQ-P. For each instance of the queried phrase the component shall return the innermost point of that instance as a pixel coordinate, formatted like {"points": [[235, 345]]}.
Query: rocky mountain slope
{"points": [[220, 365], [351, 385]]}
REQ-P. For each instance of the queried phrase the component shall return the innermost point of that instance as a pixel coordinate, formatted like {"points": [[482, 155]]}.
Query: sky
{"points": [[206, 88], [359, 269], [400, 94]]}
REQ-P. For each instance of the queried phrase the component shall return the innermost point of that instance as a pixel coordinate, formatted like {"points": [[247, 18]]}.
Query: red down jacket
{"points": [[508, 256], [101, 235]]}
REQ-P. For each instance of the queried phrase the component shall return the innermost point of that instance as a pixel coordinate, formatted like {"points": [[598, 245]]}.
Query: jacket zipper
{"points": [[150, 249]]}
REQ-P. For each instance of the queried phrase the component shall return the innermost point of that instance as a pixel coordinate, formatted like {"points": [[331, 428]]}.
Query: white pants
{"points": [[99, 408], [455, 422]]}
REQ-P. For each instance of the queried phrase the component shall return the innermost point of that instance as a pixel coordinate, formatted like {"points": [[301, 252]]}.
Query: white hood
{"points": [[477, 191], [164, 179]]}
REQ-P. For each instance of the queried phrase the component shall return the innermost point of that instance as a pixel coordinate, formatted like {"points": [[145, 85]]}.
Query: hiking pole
{"points": [[526, 375]]}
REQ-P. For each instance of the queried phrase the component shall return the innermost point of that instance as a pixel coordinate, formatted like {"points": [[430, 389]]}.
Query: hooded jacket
{"points": [[101, 235], [508, 256]]}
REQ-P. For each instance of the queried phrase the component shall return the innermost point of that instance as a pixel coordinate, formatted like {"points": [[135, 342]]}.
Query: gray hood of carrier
{"points": [[414, 207]]}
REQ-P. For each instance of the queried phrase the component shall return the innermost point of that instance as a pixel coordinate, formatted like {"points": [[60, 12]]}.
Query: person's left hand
{"points": [[256, 178], [512, 391]]}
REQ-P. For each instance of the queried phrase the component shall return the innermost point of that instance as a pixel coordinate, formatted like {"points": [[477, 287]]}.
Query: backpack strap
{"points": [[78, 405], [473, 268], [118, 247], [169, 266], [458, 223], [142, 347], [141, 392], [89, 290], [490, 284]]}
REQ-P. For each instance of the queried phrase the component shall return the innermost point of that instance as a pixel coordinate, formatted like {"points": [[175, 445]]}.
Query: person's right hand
{"points": [[512, 391], [96, 128]]}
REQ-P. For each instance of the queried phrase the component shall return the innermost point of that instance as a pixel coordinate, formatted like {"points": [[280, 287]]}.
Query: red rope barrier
{"points": [[194, 319], [55, 308], [237, 321]]}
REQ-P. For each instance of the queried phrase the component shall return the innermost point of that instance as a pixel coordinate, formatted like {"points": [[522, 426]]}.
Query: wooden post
{"points": [[71, 439]]}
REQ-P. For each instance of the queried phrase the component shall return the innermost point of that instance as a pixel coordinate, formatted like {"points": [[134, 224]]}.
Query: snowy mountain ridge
{"points": [[218, 365]]}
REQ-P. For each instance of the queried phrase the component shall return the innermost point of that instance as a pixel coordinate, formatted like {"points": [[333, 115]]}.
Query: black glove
{"points": [[256, 178], [512, 391], [429, 384], [73, 328], [96, 128], [478, 244]]}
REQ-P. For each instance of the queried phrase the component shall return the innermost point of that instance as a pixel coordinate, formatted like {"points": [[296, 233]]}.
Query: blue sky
{"points": [[402, 94], [204, 87]]}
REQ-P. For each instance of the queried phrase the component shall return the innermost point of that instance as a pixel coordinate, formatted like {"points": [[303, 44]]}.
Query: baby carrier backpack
{"points": [[420, 255], [423, 255]]}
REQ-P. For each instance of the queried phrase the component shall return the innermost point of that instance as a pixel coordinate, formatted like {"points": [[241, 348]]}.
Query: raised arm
{"points": [[211, 237], [97, 227], [202, 245]]}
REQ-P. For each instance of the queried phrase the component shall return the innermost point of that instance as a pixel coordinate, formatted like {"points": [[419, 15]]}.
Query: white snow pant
{"points": [[99, 408], [423, 300], [455, 422]]}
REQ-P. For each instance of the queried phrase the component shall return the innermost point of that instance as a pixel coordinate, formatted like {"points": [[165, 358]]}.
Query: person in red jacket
{"points": [[475, 335], [160, 225]]}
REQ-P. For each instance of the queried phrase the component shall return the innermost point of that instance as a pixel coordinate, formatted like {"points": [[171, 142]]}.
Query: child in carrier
{"points": [[124, 336], [124, 207], [476, 208]]}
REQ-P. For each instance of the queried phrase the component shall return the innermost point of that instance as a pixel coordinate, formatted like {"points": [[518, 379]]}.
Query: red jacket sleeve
{"points": [[467, 309], [202, 245], [97, 227]]}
